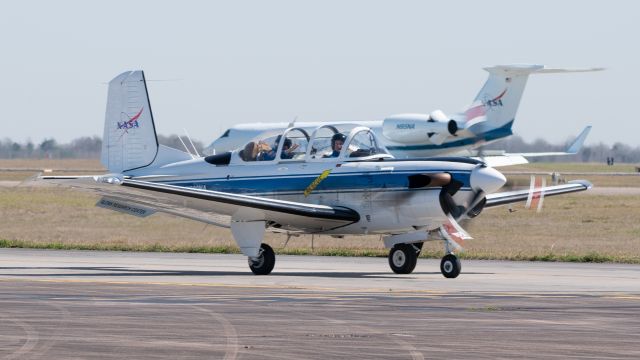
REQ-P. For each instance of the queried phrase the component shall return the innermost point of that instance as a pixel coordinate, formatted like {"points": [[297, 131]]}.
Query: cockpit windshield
{"points": [[326, 143], [363, 143]]}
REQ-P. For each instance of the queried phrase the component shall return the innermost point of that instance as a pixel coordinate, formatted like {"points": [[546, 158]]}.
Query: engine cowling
{"points": [[418, 128]]}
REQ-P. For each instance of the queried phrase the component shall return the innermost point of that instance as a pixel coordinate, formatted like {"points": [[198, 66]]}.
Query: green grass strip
{"points": [[591, 257]]}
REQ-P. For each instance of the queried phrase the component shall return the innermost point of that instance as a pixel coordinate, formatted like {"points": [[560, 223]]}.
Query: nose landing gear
{"points": [[450, 266]]}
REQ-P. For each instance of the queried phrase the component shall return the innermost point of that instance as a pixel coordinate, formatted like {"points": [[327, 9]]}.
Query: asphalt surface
{"points": [[97, 305]]}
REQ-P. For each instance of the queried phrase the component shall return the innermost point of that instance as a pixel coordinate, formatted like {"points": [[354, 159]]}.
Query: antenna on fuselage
{"points": [[191, 142], [186, 148], [293, 123]]}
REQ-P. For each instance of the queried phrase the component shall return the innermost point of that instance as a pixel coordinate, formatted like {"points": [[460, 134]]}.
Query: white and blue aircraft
{"points": [[319, 182], [489, 118]]}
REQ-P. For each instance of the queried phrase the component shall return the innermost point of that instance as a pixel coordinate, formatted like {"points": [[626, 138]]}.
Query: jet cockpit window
{"points": [[362, 144]]}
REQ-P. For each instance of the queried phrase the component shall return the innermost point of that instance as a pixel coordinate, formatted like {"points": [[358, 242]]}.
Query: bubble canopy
{"points": [[326, 143]]}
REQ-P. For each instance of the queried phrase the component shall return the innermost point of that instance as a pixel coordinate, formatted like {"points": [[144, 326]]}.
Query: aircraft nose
{"points": [[486, 179]]}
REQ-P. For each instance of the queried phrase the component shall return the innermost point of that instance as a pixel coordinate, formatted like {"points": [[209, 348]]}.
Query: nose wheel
{"points": [[450, 266], [264, 262]]}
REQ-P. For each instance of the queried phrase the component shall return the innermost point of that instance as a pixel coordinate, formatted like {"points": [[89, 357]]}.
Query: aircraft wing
{"points": [[508, 197], [507, 159], [142, 198]]}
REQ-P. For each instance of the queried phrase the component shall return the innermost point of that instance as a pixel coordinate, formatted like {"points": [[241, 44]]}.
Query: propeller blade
{"points": [[476, 205], [483, 180], [454, 233]]}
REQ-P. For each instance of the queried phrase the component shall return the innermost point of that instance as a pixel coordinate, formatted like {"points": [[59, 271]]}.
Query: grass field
{"points": [[573, 167], [576, 227]]}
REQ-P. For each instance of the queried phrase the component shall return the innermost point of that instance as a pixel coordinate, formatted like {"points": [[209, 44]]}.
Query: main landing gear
{"points": [[404, 257], [264, 263]]}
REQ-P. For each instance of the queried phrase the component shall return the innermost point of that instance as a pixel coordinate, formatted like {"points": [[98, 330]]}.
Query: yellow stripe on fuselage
{"points": [[317, 181]]}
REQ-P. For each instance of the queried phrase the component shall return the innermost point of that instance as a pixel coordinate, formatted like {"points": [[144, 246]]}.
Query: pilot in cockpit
{"points": [[269, 153], [250, 151], [337, 141]]}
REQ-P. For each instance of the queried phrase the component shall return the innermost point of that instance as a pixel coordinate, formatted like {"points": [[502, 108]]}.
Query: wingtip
{"points": [[586, 183]]}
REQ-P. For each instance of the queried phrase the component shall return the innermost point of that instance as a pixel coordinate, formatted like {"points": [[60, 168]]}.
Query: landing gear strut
{"points": [[403, 258], [450, 266], [264, 262]]}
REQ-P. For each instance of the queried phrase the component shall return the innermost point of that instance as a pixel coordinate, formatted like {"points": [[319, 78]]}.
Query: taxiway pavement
{"points": [[86, 304]]}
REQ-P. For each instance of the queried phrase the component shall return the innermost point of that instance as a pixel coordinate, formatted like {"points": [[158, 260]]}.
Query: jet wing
{"points": [[503, 198], [500, 158], [139, 198]]}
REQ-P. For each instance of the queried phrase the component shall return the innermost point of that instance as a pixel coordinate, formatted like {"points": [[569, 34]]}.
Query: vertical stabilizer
{"points": [[129, 141], [499, 98]]}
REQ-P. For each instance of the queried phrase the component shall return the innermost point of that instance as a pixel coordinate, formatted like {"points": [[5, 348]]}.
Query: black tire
{"points": [[450, 266], [265, 261], [403, 258]]}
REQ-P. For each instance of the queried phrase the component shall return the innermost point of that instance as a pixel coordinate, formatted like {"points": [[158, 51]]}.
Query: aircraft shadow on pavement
{"points": [[91, 271]]}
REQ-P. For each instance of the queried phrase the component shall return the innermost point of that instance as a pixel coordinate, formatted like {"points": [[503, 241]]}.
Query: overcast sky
{"points": [[247, 61]]}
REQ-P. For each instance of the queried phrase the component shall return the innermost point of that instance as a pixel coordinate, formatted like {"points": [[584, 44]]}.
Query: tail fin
{"points": [[500, 96], [129, 140]]}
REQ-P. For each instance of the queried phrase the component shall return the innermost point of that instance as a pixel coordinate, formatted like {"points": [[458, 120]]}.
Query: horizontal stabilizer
{"points": [[561, 71], [526, 69]]}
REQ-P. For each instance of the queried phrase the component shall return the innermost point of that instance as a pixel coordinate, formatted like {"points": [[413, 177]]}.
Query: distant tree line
{"points": [[621, 153], [90, 147], [81, 148]]}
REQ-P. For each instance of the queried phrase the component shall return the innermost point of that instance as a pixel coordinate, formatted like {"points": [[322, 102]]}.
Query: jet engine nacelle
{"points": [[418, 128]]}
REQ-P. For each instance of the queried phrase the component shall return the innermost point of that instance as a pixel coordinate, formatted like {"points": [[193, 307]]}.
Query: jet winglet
{"points": [[575, 147]]}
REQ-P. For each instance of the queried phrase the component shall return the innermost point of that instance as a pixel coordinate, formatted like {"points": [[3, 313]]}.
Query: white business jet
{"points": [[489, 118], [319, 182]]}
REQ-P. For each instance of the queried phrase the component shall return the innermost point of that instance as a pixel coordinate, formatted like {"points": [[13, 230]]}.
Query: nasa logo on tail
{"points": [[496, 101], [131, 123]]}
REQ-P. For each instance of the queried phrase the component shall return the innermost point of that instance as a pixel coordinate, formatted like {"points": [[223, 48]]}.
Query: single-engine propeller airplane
{"points": [[489, 118], [323, 182]]}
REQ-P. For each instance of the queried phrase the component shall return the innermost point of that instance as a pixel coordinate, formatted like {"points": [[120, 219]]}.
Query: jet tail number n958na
{"points": [[296, 182]]}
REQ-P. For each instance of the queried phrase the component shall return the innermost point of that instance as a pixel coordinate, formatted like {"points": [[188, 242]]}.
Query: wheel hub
{"points": [[448, 266], [257, 262], [398, 258]]}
